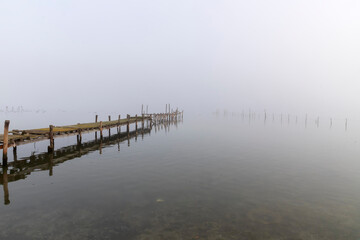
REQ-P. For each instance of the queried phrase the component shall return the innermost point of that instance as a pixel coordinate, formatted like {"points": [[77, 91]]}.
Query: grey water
{"points": [[208, 177]]}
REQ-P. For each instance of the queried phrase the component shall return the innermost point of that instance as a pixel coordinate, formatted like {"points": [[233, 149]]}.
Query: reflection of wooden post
{"points": [[5, 185], [6, 141], [100, 147], [51, 137], [51, 164], [101, 128]]}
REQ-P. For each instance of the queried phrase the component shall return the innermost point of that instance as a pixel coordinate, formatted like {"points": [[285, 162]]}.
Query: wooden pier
{"points": [[46, 161], [17, 137]]}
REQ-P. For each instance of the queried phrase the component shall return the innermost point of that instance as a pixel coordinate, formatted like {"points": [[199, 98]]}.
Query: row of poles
{"points": [[252, 115]]}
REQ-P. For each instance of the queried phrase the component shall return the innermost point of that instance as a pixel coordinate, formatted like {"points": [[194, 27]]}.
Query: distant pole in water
{"points": [[346, 124], [265, 114], [330, 122], [288, 118], [317, 121], [147, 108], [142, 108]]}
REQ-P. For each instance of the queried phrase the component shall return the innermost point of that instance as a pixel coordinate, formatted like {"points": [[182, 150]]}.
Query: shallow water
{"points": [[206, 178]]}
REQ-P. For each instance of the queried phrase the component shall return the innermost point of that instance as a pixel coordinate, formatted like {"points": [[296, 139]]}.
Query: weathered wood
{"points": [[96, 118], [5, 141], [101, 129], [128, 123], [136, 123], [51, 137]]}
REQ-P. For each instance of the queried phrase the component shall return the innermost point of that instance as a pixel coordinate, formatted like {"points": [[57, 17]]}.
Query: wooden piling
{"points": [[51, 137], [79, 137], [5, 141], [109, 118], [96, 118], [15, 153], [128, 124], [101, 129], [136, 123]]}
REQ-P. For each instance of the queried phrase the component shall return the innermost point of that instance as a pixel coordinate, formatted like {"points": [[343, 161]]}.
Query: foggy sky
{"points": [[200, 55]]}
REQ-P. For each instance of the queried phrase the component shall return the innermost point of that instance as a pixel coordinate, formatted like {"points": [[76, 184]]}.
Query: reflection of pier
{"points": [[21, 168]]}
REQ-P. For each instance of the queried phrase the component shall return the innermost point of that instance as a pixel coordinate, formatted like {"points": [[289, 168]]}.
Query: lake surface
{"points": [[208, 177]]}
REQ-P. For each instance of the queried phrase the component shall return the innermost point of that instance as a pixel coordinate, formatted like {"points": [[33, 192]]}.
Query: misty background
{"points": [[292, 57]]}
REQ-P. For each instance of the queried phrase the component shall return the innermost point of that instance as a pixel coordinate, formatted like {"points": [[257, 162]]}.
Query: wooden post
{"points": [[142, 108], [96, 120], [6, 141], [136, 125], [109, 127], [128, 124], [15, 153], [51, 137], [147, 108], [101, 128], [118, 124], [79, 137]]}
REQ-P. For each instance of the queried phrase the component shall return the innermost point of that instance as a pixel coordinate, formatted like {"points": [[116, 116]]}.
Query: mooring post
{"points": [[109, 118], [79, 137], [96, 118], [6, 141], [136, 125], [15, 153], [101, 129], [51, 137], [128, 124]]}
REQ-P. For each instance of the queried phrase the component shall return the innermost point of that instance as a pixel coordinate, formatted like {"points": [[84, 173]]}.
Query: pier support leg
{"points": [[51, 137], [6, 142], [128, 124], [136, 125], [101, 129], [15, 153]]}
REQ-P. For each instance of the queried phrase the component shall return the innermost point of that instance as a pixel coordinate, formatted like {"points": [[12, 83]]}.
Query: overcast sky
{"points": [[284, 56]]}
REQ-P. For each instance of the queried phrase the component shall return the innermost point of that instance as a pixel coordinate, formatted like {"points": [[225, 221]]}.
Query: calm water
{"points": [[206, 178]]}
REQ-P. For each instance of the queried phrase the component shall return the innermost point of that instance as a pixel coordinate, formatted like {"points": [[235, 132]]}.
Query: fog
{"points": [[283, 56]]}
